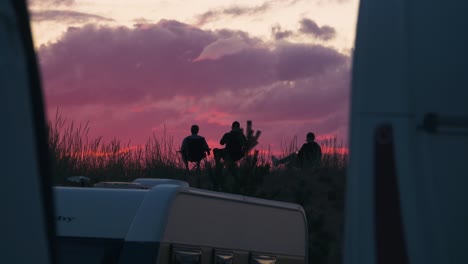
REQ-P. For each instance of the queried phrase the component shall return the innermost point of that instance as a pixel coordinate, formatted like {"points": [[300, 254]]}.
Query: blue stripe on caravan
{"points": [[389, 234]]}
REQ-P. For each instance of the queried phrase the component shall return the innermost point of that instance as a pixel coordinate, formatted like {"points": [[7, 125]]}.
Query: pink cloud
{"points": [[133, 82]]}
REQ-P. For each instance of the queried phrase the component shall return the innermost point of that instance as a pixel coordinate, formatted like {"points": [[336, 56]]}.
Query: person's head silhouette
{"points": [[194, 129], [310, 137], [235, 125]]}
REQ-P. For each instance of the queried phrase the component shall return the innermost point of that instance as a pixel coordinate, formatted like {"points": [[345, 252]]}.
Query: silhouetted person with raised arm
{"points": [[194, 148], [235, 142], [309, 155]]}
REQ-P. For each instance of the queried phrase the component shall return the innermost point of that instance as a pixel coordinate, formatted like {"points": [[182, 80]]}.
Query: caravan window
{"points": [[262, 259], [186, 256], [88, 250], [223, 257]]}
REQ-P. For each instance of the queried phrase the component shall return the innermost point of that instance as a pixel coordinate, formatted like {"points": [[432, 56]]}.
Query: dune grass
{"points": [[320, 190]]}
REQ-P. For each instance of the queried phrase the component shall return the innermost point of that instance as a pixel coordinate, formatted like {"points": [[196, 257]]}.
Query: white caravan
{"points": [[172, 223], [408, 177]]}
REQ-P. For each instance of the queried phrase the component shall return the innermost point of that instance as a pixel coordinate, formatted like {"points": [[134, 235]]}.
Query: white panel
{"points": [[442, 163], [207, 221], [380, 59], [94, 212], [414, 188], [151, 218], [418, 49], [439, 56], [439, 70], [23, 228], [359, 227]]}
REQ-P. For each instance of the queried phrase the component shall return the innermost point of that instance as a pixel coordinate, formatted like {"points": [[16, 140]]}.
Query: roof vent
{"points": [[153, 182], [121, 185]]}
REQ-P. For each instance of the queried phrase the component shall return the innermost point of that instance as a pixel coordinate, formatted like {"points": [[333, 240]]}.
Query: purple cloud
{"points": [[142, 21], [277, 33], [51, 2], [65, 16], [309, 26], [236, 11]]}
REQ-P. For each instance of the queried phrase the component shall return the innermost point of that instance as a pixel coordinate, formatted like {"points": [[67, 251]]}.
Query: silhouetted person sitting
{"points": [[309, 155], [194, 148], [235, 142]]}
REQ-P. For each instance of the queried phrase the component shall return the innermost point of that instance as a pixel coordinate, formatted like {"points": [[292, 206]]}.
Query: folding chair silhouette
{"points": [[195, 153]]}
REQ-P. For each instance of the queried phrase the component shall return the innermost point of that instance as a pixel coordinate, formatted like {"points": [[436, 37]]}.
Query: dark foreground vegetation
{"points": [[320, 191]]}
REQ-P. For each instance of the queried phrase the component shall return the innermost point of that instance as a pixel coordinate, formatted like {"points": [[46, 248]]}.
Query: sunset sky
{"points": [[137, 67]]}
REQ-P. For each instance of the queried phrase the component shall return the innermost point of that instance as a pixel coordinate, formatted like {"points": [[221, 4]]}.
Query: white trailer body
{"points": [[176, 224], [408, 175]]}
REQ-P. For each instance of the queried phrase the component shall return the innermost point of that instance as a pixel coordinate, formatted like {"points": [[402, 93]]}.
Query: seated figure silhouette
{"points": [[309, 155], [235, 142], [194, 148]]}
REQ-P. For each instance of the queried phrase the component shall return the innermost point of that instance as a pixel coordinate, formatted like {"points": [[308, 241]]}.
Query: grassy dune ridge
{"points": [[320, 191]]}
